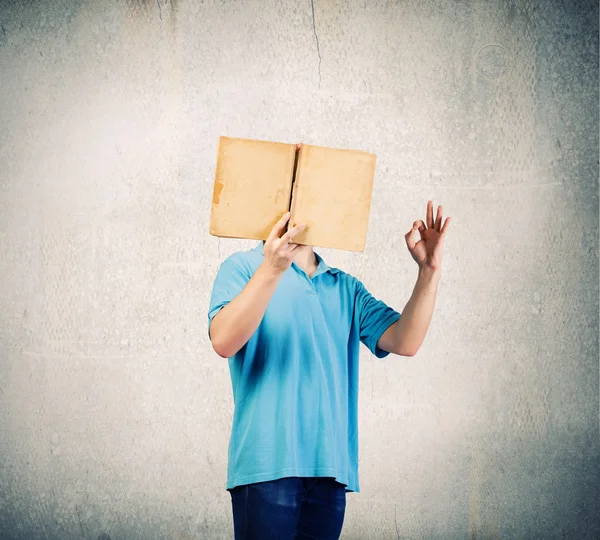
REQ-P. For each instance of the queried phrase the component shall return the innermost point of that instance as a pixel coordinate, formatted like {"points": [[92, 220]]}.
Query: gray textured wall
{"points": [[114, 411]]}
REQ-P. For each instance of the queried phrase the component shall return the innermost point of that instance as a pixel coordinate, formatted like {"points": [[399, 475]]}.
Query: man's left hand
{"points": [[427, 252]]}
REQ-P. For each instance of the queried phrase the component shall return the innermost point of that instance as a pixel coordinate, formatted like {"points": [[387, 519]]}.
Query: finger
{"points": [[438, 220], [286, 248], [444, 228], [278, 227], [292, 232], [429, 217], [410, 238], [419, 226]]}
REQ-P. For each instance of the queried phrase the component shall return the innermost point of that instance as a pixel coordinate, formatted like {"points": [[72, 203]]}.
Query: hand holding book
{"points": [[278, 250]]}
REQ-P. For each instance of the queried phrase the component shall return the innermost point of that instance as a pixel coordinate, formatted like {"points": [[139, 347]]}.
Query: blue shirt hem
{"points": [[282, 473]]}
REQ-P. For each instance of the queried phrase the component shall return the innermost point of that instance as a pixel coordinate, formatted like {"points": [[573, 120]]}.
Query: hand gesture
{"points": [[278, 252], [427, 252]]}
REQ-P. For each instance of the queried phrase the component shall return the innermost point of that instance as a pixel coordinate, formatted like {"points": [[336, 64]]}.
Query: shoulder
{"points": [[346, 280], [352, 285], [242, 261]]}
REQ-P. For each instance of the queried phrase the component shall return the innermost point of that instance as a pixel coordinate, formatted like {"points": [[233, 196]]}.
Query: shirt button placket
{"points": [[309, 289]]}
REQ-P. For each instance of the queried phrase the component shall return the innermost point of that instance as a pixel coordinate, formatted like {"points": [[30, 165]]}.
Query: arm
{"points": [[234, 324], [406, 335]]}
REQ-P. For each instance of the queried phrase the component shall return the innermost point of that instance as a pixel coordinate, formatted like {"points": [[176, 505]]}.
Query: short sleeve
{"points": [[231, 279], [375, 317]]}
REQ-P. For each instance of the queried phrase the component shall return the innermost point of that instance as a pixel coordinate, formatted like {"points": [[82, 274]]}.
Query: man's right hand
{"points": [[279, 252]]}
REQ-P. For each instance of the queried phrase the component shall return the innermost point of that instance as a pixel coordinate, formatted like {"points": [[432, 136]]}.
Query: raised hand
{"points": [[427, 252], [278, 252]]}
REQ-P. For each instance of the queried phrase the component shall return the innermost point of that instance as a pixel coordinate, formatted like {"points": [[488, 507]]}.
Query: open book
{"points": [[328, 189]]}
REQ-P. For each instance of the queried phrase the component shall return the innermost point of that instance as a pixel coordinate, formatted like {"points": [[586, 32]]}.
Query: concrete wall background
{"points": [[114, 411]]}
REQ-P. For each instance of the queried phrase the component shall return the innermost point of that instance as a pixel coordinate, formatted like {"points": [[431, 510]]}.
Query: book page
{"points": [[332, 196], [252, 189]]}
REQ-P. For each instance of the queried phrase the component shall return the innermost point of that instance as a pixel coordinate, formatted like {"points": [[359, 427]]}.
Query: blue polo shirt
{"points": [[295, 383]]}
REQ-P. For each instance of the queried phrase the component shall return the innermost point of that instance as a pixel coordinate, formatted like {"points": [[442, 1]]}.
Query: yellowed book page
{"points": [[332, 196], [253, 182]]}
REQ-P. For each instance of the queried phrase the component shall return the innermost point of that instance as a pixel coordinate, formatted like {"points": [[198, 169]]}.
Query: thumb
{"points": [[410, 238]]}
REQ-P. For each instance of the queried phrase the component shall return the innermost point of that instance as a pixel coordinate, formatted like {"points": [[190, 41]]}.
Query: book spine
{"points": [[291, 222]]}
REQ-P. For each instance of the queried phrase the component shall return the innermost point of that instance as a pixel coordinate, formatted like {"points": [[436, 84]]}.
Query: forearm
{"points": [[235, 323], [416, 316]]}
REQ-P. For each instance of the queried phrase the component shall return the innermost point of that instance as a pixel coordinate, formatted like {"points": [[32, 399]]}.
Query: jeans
{"points": [[287, 508]]}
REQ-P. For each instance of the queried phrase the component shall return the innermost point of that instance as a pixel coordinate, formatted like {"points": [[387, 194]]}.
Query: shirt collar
{"points": [[322, 268]]}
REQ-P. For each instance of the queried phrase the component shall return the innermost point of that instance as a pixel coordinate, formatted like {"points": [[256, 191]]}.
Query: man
{"points": [[291, 327]]}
